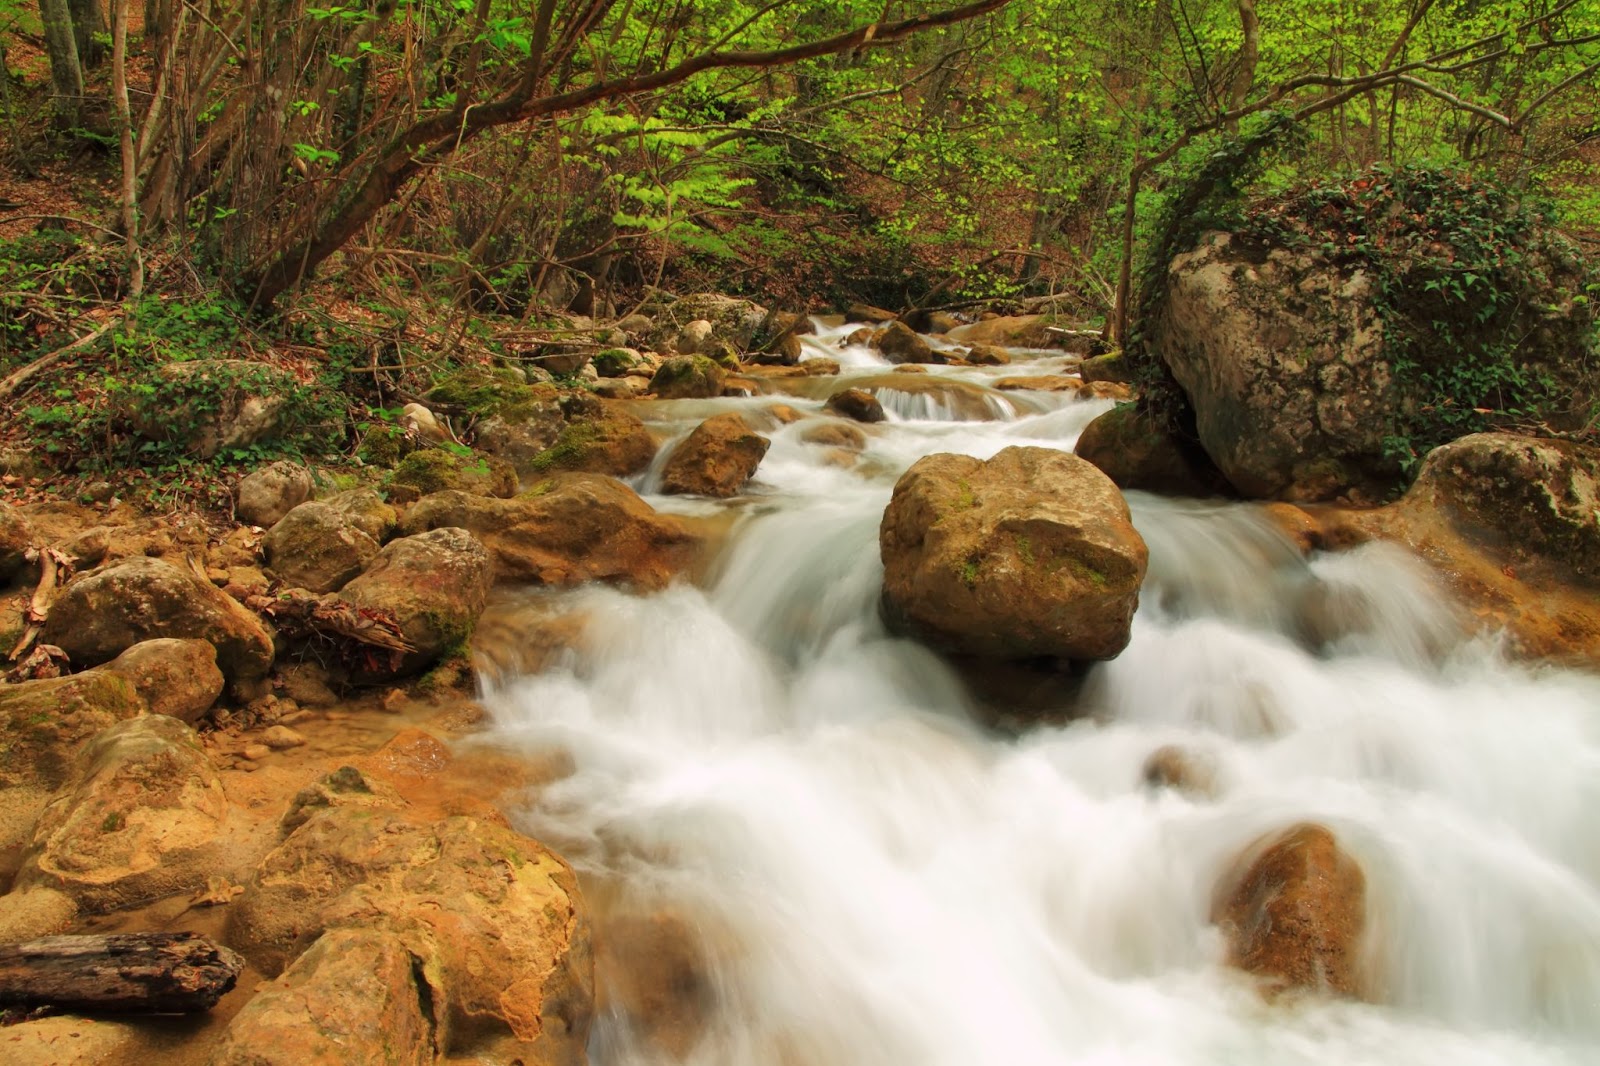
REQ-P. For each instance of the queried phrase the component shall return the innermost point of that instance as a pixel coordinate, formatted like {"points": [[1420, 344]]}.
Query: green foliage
{"points": [[1465, 273]]}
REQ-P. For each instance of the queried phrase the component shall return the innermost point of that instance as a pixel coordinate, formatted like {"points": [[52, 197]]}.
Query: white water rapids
{"points": [[882, 882]]}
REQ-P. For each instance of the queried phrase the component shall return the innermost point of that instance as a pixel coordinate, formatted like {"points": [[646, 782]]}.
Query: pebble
{"points": [[281, 737], [256, 752]]}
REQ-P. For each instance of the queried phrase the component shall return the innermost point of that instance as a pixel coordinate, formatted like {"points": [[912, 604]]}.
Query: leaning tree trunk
{"points": [[66, 72]]}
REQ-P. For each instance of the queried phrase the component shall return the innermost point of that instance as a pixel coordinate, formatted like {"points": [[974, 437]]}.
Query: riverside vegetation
{"points": [[477, 555]]}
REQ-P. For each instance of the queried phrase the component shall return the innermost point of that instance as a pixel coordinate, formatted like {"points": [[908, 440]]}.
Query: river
{"points": [[878, 879]]}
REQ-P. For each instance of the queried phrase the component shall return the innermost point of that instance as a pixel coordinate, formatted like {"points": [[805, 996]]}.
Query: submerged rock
{"points": [[716, 459], [102, 614], [566, 530], [1294, 910], [1029, 555]]}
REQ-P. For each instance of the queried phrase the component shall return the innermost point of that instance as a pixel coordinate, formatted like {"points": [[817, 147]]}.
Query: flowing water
{"points": [[876, 879]]}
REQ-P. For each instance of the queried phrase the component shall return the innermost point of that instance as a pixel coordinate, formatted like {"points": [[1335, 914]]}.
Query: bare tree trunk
{"points": [[66, 72], [1249, 53], [130, 159]]}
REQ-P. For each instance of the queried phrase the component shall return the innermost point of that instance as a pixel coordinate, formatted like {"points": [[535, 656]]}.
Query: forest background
{"points": [[369, 195]]}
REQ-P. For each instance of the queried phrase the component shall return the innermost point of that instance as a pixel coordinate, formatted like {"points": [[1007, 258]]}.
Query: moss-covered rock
{"points": [[688, 377], [717, 459], [485, 391], [43, 724], [607, 440], [438, 469], [614, 362]]}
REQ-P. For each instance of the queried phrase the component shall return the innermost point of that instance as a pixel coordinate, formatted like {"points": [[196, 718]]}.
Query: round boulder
{"points": [[102, 614], [1293, 911], [1031, 554], [317, 547], [688, 377], [268, 493], [435, 584], [717, 459], [898, 344], [857, 405], [1135, 453], [178, 678]]}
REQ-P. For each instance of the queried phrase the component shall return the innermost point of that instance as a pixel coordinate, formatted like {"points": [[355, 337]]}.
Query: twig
{"points": [[10, 385]]}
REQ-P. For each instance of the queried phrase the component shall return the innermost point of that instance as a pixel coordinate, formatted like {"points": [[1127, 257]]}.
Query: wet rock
{"points": [[269, 492], [1108, 367], [716, 459], [1042, 383], [864, 337], [653, 971], [70, 1040], [356, 997], [1106, 390], [873, 316], [1029, 555], [31, 913], [688, 377], [855, 404], [1294, 911], [143, 818], [602, 440], [101, 614], [496, 918], [835, 434], [899, 344], [281, 738], [1133, 452], [438, 469], [929, 395], [786, 351], [1531, 501], [177, 678], [207, 405], [435, 584], [1182, 770], [318, 547], [988, 355], [566, 530], [16, 537], [1008, 331]]}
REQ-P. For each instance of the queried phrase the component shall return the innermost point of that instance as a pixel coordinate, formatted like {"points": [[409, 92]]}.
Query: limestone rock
{"points": [[145, 817], [1294, 910], [437, 469], [424, 424], [933, 396], [101, 614], [694, 337], [988, 355], [45, 723], [734, 321], [178, 678], [496, 918], [16, 537], [1136, 454], [518, 436], [435, 583], [1529, 500], [567, 530], [207, 405], [1031, 554], [872, 316], [716, 459], [899, 344], [1007, 331], [318, 547], [1109, 367], [835, 434], [71, 1040], [855, 404], [598, 439], [269, 492], [357, 997], [688, 377], [615, 362]]}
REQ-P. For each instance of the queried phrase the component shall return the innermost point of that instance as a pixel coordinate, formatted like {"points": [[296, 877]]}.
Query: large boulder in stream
{"points": [[1310, 376], [1293, 910], [898, 343], [716, 459], [566, 530], [1029, 555], [1531, 502], [688, 377], [1136, 453], [102, 614]]}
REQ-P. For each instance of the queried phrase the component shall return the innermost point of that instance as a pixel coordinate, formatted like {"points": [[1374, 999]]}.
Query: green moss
{"points": [[969, 572], [114, 821], [570, 447], [435, 470], [381, 446], [613, 362], [1025, 550], [484, 392], [543, 488]]}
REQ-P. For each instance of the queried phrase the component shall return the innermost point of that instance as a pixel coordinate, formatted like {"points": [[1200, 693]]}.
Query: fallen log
{"points": [[144, 973]]}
